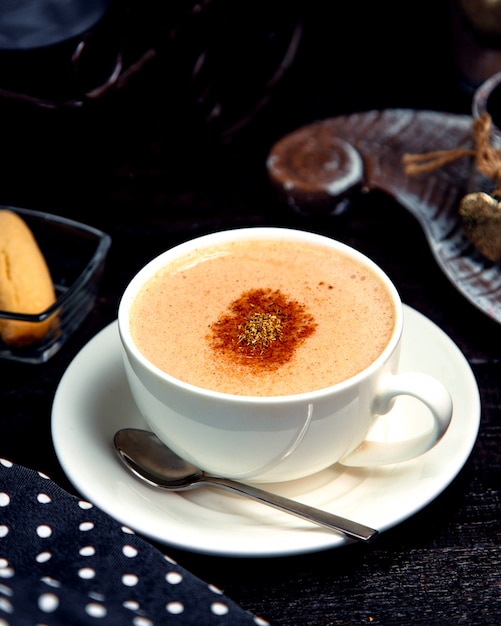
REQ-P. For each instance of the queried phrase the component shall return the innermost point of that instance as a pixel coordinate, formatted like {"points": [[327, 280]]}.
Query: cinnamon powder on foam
{"points": [[262, 329]]}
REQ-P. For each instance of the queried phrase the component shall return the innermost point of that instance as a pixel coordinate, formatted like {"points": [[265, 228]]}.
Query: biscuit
{"points": [[25, 282]]}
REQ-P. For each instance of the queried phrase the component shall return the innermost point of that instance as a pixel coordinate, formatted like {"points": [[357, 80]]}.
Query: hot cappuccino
{"points": [[263, 317]]}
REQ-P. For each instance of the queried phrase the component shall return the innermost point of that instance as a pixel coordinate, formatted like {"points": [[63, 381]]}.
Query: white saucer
{"points": [[93, 401]]}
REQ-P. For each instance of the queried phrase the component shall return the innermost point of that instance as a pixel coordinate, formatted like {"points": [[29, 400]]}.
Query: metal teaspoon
{"points": [[152, 461]]}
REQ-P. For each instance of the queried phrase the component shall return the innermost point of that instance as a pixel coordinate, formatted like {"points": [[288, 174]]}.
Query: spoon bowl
{"points": [[153, 462]]}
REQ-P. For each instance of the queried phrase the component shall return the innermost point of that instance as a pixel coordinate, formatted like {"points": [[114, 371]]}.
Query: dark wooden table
{"points": [[123, 165]]}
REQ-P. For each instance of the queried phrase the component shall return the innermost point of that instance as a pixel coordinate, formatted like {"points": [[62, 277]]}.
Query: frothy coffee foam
{"points": [[174, 315]]}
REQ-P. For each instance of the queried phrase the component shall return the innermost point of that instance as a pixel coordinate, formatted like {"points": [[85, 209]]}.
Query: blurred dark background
{"points": [[222, 81]]}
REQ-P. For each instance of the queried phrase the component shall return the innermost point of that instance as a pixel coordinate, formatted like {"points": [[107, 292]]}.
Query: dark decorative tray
{"points": [[382, 138]]}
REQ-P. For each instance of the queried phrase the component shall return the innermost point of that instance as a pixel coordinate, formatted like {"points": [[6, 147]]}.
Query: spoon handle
{"points": [[316, 516]]}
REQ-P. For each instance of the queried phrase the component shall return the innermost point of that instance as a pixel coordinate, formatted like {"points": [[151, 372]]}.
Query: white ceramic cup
{"points": [[279, 438]]}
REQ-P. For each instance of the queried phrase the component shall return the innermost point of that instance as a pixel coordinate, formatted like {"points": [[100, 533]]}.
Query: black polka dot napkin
{"points": [[64, 562]]}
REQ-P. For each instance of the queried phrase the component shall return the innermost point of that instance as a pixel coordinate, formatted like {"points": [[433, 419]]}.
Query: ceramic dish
{"points": [[93, 401], [75, 254]]}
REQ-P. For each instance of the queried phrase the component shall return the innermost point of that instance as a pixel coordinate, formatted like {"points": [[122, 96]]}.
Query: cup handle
{"points": [[418, 385]]}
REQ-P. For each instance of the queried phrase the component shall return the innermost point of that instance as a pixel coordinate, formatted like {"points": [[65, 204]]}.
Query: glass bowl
{"points": [[75, 254]]}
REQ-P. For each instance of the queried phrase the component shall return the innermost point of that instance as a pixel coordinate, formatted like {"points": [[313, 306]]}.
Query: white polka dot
{"points": [[3, 622], [52, 582], [83, 504], [218, 608], [96, 596], [42, 475], [4, 530], [129, 551], [141, 621], [86, 573], [95, 610], [43, 557], [129, 580], [215, 589], [43, 498], [169, 559], [87, 551], [173, 578], [84, 526], [6, 463], [261, 622], [44, 531], [132, 605], [6, 606], [4, 498], [175, 608], [7, 591], [127, 530], [48, 602], [5, 570]]}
